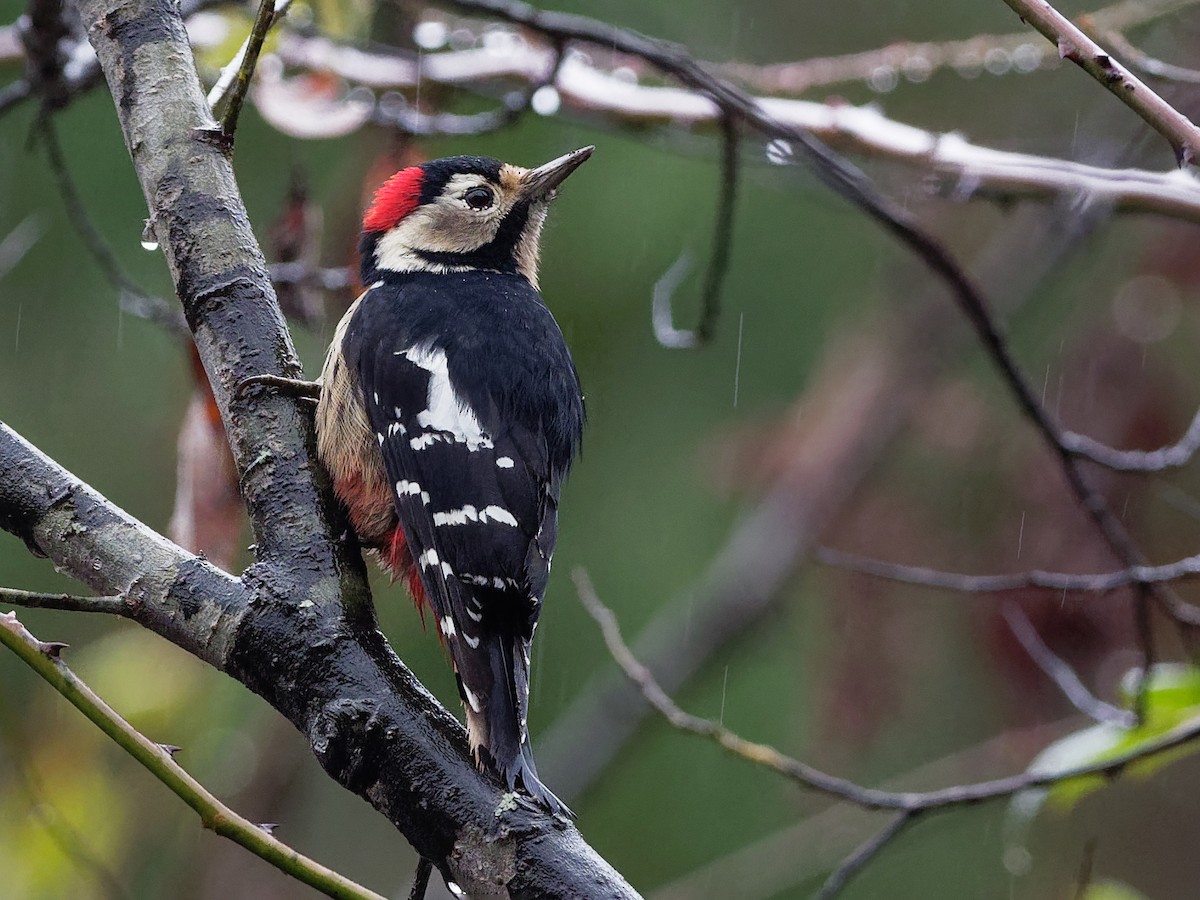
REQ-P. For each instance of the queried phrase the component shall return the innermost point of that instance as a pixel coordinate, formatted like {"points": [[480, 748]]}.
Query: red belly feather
{"points": [[391, 545], [398, 561]]}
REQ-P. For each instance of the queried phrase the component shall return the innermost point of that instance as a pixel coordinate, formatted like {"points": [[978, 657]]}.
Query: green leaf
{"points": [[1172, 700]]}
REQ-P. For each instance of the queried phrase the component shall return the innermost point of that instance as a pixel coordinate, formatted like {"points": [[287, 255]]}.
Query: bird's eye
{"points": [[478, 198]]}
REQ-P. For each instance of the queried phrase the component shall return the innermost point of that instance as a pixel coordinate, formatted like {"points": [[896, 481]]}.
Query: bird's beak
{"points": [[539, 183]]}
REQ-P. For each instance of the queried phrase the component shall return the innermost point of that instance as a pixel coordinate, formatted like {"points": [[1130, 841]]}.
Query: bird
{"points": [[449, 414]]}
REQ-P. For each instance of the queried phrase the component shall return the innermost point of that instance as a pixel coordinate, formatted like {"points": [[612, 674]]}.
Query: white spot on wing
{"points": [[471, 698], [446, 411], [499, 514], [448, 626], [456, 516], [428, 558], [407, 487], [421, 441], [505, 462], [473, 643]]}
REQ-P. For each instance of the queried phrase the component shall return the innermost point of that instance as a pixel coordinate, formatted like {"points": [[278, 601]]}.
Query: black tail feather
{"points": [[503, 737]]}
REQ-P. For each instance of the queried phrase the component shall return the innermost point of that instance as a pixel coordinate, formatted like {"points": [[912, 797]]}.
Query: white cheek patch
{"points": [[444, 225], [445, 413]]}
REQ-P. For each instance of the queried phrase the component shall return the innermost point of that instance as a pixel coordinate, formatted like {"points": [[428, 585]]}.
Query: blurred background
{"points": [[843, 402]]}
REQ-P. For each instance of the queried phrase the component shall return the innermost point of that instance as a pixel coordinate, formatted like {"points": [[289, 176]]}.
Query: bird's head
{"points": [[462, 213]]}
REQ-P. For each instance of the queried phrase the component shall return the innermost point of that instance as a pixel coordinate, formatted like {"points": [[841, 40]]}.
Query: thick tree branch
{"points": [[297, 627], [586, 89]]}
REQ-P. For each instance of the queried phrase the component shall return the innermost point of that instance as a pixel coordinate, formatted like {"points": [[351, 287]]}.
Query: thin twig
{"points": [[299, 272], [863, 854], [18, 242], [1146, 63], [1172, 456], [13, 93], [116, 606], [968, 170], [1076, 46], [132, 297], [1097, 583], [246, 59], [710, 305], [917, 61], [1062, 674], [421, 879], [807, 776], [215, 815]]}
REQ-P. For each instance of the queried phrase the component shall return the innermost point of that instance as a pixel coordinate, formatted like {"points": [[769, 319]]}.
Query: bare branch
{"points": [[863, 854], [1173, 456], [161, 764], [1076, 46], [917, 61], [34, 599], [1147, 64], [584, 88], [710, 304], [131, 295], [13, 93], [269, 12], [1099, 583], [911, 802], [1062, 674]]}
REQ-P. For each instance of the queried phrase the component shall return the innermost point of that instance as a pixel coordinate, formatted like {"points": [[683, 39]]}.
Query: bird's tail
{"points": [[498, 729]]}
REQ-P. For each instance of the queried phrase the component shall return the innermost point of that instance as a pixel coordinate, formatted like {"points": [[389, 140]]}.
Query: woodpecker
{"points": [[449, 414]]}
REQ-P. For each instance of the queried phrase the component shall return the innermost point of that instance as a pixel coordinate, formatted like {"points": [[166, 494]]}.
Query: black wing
{"points": [[471, 419]]}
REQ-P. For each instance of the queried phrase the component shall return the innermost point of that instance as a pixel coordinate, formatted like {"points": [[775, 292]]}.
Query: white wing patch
{"points": [[471, 514], [445, 411], [498, 514]]}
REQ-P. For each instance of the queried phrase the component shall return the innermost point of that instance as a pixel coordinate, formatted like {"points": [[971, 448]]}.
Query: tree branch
{"points": [[1098, 583], [297, 627], [1076, 46], [161, 764], [908, 804], [965, 168], [863, 854], [1062, 674], [36, 600], [1172, 456]]}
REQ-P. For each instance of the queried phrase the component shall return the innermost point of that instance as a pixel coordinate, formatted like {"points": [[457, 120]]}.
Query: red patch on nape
{"points": [[398, 560], [395, 199]]}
